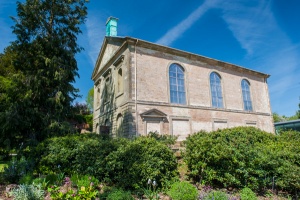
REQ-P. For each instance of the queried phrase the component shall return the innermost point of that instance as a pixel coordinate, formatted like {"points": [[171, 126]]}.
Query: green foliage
{"points": [[41, 181], [82, 154], [38, 70], [278, 118], [90, 99], [26, 179], [86, 193], [283, 118], [119, 194], [151, 192], [247, 194], [89, 121], [183, 191], [165, 139], [16, 169], [28, 192], [4, 154], [133, 164], [284, 160], [3, 165], [228, 157], [57, 194], [84, 180], [245, 157], [216, 195], [298, 112]]}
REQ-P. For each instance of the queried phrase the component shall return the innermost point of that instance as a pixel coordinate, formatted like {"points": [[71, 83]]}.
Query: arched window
{"points": [[120, 81], [216, 90], [177, 89], [246, 95]]}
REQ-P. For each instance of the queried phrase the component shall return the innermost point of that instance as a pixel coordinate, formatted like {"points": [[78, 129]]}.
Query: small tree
{"points": [[298, 112], [90, 99]]}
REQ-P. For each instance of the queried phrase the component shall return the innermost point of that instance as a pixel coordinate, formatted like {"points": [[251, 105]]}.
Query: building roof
{"points": [[288, 122], [166, 49]]}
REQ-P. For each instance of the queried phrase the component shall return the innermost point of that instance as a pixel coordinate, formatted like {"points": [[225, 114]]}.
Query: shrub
{"points": [[41, 181], [82, 154], [119, 194], [229, 157], [183, 191], [284, 161], [144, 158], [165, 139], [28, 192], [84, 180], [16, 169], [4, 154], [26, 179], [247, 194], [216, 195]]}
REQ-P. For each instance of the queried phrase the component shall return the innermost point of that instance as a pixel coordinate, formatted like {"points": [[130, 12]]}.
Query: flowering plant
{"points": [[151, 193]]}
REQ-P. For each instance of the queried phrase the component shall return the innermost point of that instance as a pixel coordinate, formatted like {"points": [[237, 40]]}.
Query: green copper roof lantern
{"points": [[111, 26]]}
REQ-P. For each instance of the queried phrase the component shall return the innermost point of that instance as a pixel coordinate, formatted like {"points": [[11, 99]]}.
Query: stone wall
{"points": [[149, 68]]}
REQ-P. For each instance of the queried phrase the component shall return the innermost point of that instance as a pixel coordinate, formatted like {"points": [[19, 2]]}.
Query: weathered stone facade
{"points": [[132, 91]]}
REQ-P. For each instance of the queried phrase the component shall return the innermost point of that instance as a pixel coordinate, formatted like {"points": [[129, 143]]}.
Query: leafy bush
{"points": [[84, 180], [28, 192], [284, 161], [89, 121], [245, 157], [229, 157], [16, 169], [247, 194], [4, 154], [119, 194], [165, 139], [216, 195], [144, 158], [26, 179], [41, 181], [82, 154], [183, 191]]}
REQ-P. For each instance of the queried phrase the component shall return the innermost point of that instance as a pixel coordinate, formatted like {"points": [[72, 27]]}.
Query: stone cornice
{"points": [[200, 107], [192, 56]]}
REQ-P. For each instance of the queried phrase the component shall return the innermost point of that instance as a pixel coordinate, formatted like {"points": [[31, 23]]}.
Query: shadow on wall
{"points": [[112, 123]]}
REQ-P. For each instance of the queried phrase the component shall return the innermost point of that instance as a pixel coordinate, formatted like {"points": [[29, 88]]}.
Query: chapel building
{"points": [[141, 86]]}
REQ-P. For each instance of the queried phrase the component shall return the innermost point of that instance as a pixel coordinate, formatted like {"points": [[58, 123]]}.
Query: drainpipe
{"points": [[135, 82]]}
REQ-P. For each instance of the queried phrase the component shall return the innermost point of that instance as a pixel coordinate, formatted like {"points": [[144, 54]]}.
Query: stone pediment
{"points": [[153, 113]]}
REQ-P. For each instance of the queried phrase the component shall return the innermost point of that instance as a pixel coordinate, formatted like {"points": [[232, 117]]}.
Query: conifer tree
{"points": [[46, 68]]}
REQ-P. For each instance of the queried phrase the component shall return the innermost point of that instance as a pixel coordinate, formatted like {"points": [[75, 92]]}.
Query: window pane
{"points": [[216, 90], [246, 95], [176, 79]]}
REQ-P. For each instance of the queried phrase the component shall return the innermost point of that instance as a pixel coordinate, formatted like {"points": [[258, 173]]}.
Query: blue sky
{"points": [[262, 35]]}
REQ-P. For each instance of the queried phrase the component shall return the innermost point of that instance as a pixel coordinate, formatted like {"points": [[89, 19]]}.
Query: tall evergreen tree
{"points": [[44, 51]]}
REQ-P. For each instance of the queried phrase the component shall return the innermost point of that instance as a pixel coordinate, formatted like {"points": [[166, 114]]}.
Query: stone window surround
{"points": [[186, 78], [242, 98], [118, 66], [159, 117], [222, 90]]}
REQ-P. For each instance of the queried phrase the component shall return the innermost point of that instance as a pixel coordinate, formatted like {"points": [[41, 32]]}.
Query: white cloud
{"points": [[268, 47], [95, 25], [175, 32]]}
